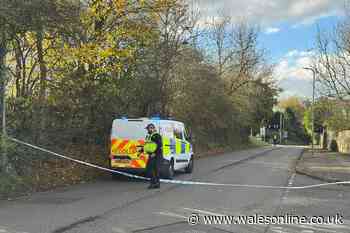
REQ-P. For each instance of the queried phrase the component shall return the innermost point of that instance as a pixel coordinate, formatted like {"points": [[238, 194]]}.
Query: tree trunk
{"points": [[43, 85], [4, 159], [5, 166]]}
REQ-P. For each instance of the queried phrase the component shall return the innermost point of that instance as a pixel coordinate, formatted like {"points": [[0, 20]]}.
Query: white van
{"points": [[128, 135]]}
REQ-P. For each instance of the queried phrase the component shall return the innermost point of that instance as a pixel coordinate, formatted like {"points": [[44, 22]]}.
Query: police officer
{"points": [[274, 139], [155, 155]]}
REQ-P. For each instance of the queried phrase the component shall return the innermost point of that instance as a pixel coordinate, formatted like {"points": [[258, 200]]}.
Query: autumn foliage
{"points": [[73, 66]]}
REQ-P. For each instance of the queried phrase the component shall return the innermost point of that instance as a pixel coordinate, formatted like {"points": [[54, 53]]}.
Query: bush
{"points": [[9, 185], [10, 182]]}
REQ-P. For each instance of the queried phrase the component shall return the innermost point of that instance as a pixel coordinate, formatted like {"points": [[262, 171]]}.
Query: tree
{"points": [[322, 111], [3, 48], [175, 29], [29, 24], [77, 65], [332, 61], [214, 120], [295, 128], [330, 113], [235, 52], [296, 104], [241, 65], [262, 98]]}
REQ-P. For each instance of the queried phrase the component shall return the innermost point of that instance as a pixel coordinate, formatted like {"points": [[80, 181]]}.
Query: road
{"points": [[127, 206]]}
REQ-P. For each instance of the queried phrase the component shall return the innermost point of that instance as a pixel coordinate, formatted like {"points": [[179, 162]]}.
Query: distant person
{"points": [[153, 147], [274, 139]]}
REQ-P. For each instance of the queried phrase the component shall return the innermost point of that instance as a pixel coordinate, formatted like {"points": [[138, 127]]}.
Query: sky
{"points": [[288, 33]]}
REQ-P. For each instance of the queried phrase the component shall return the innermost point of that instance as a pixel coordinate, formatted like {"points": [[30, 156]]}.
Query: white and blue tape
{"points": [[176, 181]]}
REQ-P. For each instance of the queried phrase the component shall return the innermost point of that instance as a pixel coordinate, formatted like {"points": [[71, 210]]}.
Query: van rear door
{"points": [[126, 137]]}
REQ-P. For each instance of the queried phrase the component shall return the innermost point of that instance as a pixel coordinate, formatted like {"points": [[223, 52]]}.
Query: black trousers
{"points": [[154, 168]]}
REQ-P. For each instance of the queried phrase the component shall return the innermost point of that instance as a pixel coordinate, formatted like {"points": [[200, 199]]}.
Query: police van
{"points": [[128, 136]]}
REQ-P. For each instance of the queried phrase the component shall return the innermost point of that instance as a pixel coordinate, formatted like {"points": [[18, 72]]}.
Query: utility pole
{"points": [[279, 110], [312, 108], [281, 125]]}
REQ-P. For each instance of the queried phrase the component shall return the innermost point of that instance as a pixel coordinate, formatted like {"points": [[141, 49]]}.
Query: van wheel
{"points": [[169, 173], [189, 168]]}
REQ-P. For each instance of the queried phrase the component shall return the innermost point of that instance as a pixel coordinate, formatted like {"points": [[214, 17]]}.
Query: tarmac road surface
{"points": [[126, 205]]}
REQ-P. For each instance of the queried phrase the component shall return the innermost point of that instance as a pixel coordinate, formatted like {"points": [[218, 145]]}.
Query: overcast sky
{"points": [[289, 28]]}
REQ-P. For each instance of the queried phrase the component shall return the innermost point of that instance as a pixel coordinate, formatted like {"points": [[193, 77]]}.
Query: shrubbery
{"points": [[87, 65], [334, 146]]}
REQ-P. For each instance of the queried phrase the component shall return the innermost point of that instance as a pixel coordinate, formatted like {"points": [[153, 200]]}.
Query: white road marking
{"points": [[212, 213], [4, 229], [203, 211], [308, 228], [291, 180], [314, 227], [119, 230], [332, 226], [291, 146], [172, 215], [267, 163], [277, 229], [290, 184]]}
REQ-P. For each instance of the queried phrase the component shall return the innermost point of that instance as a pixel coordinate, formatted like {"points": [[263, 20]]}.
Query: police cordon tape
{"points": [[175, 181]]}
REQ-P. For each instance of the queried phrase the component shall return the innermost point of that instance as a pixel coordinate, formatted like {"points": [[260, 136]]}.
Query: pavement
{"points": [[126, 206], [325, 166]]}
